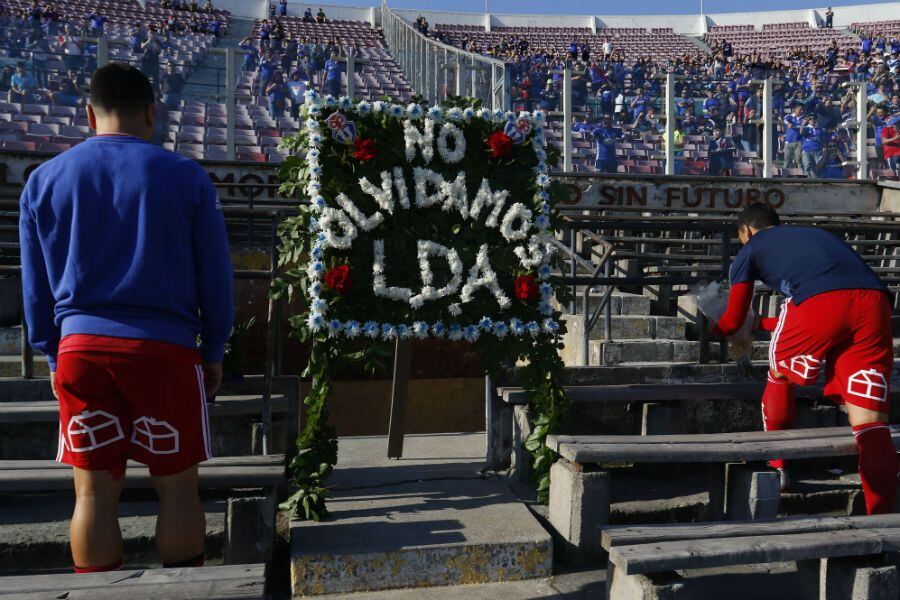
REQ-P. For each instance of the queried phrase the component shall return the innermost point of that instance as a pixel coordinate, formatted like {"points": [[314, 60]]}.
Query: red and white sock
{"points": [[778, 409], [877, 466]]}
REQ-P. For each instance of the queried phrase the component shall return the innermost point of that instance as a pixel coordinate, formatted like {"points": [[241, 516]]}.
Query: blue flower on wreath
{"points": [[414, 111], [541, 154], [315, 288], [516, 326], [435, 113], [454, 114], [498, 115], [532, 328], [500, 329], [388, 331], [545, 308], [539, 116], [312, 124], [509, 115], [420, 329], [319, 305], [404, 332], [370, 329], [345, 103], [335, 326], [313, 224], [538, 131], [352, 329], [331, 100], [315, 322], [471, 333], [311, 95], [456, 333], [313, 110], [543, 180], [318, 266], [317, 170], [363, 108], [438, 330], [546, 290], [542, 222], [545, 271], [315, 138], [468, 113], [397, 111], [551, 326], [321, 238], [320, 201], [485, 324]]}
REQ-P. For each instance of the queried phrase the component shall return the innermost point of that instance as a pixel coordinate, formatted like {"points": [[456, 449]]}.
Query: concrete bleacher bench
{"points": [[250, 516], [580, 483], [223, 582], [660, 413], [837, 557]]}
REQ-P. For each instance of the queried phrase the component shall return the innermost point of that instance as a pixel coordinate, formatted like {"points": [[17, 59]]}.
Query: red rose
{"points": [[527, 288], [364, 149], [338, 279], [500, 144]]}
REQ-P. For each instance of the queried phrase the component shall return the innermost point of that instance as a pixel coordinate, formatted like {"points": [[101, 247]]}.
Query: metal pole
{"points": [[102, 52], [459, 78], [670, 124], [862, 155], [351, 78], [567, 119], [768, 144], [230, 110]]}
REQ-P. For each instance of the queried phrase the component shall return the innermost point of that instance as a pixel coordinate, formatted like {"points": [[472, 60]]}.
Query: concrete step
{"points": [[10, 341], [431, 519], [34, 532], [642, 351], [620, 303]]}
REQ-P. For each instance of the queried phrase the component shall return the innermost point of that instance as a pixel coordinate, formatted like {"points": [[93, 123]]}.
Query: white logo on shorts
{"points": [[806, 366], [93, 429], [870, 384], [156, 437]]}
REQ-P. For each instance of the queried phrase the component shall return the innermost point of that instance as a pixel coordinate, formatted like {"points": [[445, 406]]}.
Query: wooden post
{"points": [[399, 392]]}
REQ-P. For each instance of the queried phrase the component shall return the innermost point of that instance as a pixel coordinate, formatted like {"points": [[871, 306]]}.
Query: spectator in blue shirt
{"points": [[267, 68], [866, 45], [333, 70], [282, 8], [879, 119], [97, 22], [721, 154], [811, 144], [793, 123], [835, 153], [22, 86], [277, 92], [606, 136]]}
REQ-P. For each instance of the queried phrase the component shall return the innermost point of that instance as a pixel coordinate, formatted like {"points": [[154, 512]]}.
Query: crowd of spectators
{"points": [[287, 65], [716, 97], [34, 36]]}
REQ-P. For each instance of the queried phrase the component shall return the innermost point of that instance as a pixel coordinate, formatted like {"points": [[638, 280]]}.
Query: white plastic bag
{"points": [[712, 300]]}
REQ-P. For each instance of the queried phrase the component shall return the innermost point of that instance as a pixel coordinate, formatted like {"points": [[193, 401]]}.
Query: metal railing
{"points": [[436, 70]]}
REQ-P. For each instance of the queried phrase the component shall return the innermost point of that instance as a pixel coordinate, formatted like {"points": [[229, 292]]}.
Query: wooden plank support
{"points": [[399, 395]]}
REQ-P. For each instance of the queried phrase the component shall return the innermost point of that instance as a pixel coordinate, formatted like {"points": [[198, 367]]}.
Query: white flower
{"points": [[364, 107], [437, 330], [516, 326], [455, 334], [454, 114], [313, 224], [316, 170], [312, 124], [345, 103], [396, 111], [388, 331], [352, 329], [371, 329], [379, 285], [313, 154], [312, 97], [454, 309], [550, 326], [517, 212], [425, 178], [424, 139], [365, 223], [404, 332], [416, 302], [482, 275], [313, 111], [487, 198], [500, 329], [485, 114], [319, 202], [420, 329], [319, 305], [315, 288], [330, 100], [315, 139], [425, 250], [543, 180], [539, 117], [435, 113], [313, 188], [451, 157], [532, 328], [379, 106], [485, 324], [471, 333], [335, 216], [315, 322], [468, 113], [414, 111]]}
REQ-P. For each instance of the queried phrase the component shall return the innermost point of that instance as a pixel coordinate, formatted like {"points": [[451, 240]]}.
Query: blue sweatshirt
{"points": [[122, 238]]}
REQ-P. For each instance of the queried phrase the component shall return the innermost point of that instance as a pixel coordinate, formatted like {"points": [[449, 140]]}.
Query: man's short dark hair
{"points": [[759, 216], [121, 89]]}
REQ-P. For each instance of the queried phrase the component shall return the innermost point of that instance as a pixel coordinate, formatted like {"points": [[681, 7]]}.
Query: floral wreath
{"points": [[423, 222]]}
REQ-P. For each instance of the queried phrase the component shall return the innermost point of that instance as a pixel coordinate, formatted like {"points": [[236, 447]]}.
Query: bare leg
{"points": [[94, 532], [181, 526]]}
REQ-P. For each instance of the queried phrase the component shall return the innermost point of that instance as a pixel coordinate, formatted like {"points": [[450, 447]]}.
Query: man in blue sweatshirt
{"points": [[125, 264]]}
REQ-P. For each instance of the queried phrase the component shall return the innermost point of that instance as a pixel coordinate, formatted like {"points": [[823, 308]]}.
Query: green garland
{"points": [[317, 444]]}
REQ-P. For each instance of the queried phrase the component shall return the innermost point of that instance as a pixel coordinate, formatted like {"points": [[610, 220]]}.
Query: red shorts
{"points": [[847, 330], [138, 399]]}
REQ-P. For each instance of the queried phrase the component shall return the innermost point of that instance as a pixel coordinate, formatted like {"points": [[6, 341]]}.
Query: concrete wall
{"points": [[259, 9]]}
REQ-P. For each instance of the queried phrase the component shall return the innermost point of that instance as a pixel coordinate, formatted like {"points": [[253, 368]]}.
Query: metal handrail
{"points": [[425, 62]]}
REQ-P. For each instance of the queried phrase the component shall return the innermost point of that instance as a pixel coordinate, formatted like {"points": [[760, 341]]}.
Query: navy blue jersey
{"points": [[801, 262]]}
